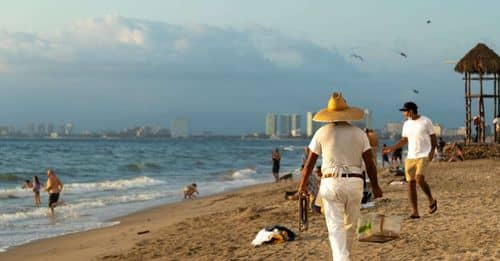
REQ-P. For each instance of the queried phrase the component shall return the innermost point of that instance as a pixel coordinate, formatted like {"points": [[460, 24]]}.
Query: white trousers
{"points": [[341, 203]]}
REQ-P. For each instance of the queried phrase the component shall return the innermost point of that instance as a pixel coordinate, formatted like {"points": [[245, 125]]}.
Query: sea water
{"points": [[104, 179]]}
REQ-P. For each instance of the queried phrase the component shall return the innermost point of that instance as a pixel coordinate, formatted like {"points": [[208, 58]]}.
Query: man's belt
{"points": [[344, 175]]}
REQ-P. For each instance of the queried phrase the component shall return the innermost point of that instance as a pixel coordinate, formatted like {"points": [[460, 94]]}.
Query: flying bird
{"points": [[428, 21], [359, 57], [415, 91], [403, 54]]}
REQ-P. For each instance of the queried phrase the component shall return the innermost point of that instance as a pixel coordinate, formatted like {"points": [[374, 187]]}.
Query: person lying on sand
{"points": [[189, 191]]}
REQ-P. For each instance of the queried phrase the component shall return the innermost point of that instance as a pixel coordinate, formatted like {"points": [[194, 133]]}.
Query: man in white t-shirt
{"points": [[343, 147], [418, 132]]}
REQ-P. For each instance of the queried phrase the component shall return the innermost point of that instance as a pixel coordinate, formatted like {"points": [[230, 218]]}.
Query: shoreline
{"points": [[126, 222], [464, 227]]}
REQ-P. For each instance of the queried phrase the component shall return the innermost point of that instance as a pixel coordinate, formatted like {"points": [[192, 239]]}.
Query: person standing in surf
{"points": [[36, 189], [276, 164], [54, 188]]}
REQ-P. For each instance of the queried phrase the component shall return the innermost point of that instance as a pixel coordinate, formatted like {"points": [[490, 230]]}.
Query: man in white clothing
{"points": [[343, 148], [418, 132]]}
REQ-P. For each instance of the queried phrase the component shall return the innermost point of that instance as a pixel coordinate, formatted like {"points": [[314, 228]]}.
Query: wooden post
{"points": [[496, 106], [467, 130], [469, 107], [482, 130]]}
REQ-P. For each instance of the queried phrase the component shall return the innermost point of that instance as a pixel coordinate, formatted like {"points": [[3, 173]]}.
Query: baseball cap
{"points": [[409, 106]]}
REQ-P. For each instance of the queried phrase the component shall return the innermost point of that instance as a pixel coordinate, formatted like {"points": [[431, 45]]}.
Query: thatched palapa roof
{"points": [[480, 60]]}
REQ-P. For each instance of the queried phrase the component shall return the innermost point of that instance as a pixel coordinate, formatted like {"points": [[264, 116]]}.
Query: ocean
{"points": [[104, 179]]}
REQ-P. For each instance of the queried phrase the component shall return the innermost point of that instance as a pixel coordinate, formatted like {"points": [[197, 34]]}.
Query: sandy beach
{"points": [[221, 227]]}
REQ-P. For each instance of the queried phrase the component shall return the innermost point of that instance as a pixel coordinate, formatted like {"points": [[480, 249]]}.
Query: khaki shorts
{"points": [[415, 167]]}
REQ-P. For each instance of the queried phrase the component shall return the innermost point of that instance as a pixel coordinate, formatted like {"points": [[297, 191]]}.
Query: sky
{"points": [[226, 64]]}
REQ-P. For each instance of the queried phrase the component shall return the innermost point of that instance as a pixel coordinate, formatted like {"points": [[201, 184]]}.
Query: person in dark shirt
{"points": [[276, 164]]}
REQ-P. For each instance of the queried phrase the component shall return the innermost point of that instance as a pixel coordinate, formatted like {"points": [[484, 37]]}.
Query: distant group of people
{"points": [[347, 152], [53, 187]]}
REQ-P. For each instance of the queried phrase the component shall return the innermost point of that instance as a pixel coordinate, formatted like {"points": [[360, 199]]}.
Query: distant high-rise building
{"points": [[30, 129], [271, 124], [284, 125], [295, 124], [438, 130], [50, 128], [367, 118], [68, 129], [393, 129], [309, 124], [41, 131], [179, 128]]}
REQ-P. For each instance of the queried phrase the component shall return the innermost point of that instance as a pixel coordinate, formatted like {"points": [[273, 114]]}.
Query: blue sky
{"points": [[225, 64]]}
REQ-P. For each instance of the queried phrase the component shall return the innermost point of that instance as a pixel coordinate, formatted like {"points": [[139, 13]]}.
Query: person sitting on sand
{"points": [[189, 191], [458, 154]]}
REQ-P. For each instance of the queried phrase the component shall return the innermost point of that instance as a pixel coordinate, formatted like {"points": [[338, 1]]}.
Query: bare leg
{"points": [[425, 187], [52, 210], [412, 195]]}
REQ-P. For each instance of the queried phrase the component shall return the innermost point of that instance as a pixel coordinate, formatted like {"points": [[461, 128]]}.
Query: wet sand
{"points": [[221, 227]]}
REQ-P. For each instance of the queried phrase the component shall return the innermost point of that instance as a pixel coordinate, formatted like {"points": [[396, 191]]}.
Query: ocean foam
{"points": [[243, 173], [121, 184], [73, 210], [15, 193]]}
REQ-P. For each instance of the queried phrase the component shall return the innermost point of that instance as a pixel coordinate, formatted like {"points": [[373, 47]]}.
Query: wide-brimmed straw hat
{"points": [[338, 110]]}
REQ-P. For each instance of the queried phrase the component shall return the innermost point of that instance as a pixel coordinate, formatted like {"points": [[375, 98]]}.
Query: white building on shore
{"points": [[179, 128]]}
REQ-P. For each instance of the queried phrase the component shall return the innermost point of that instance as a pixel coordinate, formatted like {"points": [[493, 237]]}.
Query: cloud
{"points": [[155, 70], [114, 39], [181, 44], [3, 66]]}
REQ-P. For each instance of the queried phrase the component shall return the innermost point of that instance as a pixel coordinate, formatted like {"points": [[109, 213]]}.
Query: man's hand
{"points": [[377, 191], [302, 189], [387, 150]]}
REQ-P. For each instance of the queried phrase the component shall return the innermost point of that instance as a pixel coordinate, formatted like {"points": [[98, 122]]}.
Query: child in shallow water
{"points": [[189, 191]]}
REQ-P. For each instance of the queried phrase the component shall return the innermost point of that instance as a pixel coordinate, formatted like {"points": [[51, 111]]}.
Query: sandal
{"points": [[433, 207]]}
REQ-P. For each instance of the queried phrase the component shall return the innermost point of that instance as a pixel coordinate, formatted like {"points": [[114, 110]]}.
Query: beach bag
{"points": [[273, 235], [379, 228]]}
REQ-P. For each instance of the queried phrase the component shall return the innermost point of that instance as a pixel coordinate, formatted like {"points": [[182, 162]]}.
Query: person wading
{"points": [[343, 147], [276, 157]]}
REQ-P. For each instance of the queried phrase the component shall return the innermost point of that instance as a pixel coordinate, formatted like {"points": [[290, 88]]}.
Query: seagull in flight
{"points": [[403, 54], [359, 57]]}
